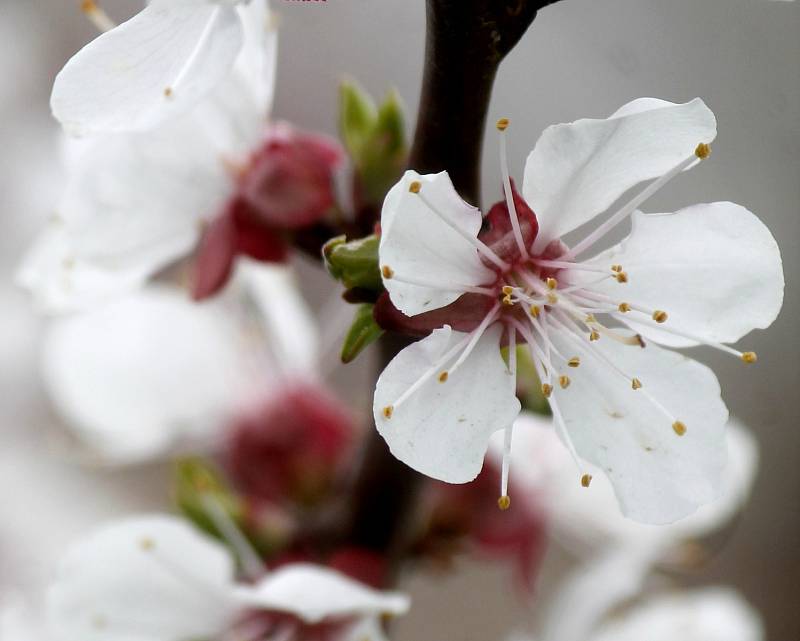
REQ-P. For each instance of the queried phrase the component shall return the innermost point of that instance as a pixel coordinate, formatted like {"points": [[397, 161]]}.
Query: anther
{"points": [[636, 383], [535, 310], [616, 268], [415, 187], [506, 300], [387, 271], [504, 502], [547, 389], [508, 290], [702, 151], [659, 316], [679, 428], [168, 92], [564, 381], [594, 335], [443, 376], [624, 307], [621, 277], [388, 411], [87, 6], [586, 480], [502, 124], [147, 544], [552, 283], [574, 361], [749, 357]]}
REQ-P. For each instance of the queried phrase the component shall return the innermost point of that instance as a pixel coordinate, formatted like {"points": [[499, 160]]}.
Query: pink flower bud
{"points": [[289, 182]]}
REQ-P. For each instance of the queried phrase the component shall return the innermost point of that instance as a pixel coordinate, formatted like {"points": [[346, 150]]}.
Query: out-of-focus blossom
{"points": [[135, 203], [651, 419], [153, 373], [157, 65], [291, 446], [154, 578]]}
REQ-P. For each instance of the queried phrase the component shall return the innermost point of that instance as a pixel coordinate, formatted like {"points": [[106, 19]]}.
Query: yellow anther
{"points": [[594, 335], [535, 310], [586, 480], [749, 357], [659, 316], [147, 544], [502, 124], [552, 299], [388, 411], [622, 277], [504, 502], [168, 92], [574, 361], [552, 283], [702, 151], [88, 6], [547, 389], [616, 268], [508, 290], [387, 271], [679, 428], [564, 381], [507, 301], [443, 376], [636, 383], [624, 307], [415, 186]]}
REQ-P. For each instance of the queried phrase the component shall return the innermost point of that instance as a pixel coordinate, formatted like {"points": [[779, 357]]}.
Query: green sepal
{"points": [[354, 263], [363, 331]]}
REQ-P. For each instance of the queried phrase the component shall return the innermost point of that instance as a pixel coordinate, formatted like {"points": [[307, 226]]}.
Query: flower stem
{"points": [[466, 41]]}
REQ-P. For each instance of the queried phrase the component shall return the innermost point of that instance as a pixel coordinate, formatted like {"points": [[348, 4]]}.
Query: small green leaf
{"points": [[357, 117], [354, 263], [363, 331]]}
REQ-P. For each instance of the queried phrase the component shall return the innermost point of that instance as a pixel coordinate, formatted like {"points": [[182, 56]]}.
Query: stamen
{"points": [[475, 336], [248, 557], [574, 361], [387, 272], [443, 377], [502, 125], [624, 307], [626, 210], [388, 411], [749, 357], [547, 389], [636, 383], [679, 427], [506, 465], [616, 268], [453, 287], [659, 316], [535, 310], [482, 247], [594, 335], [551, 283], [586, 480], [564, 381], [97, 16], [621, 277], [563, 264]]}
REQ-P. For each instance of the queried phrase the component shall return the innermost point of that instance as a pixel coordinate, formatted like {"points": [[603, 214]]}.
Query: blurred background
{"points": [[581, 58]]}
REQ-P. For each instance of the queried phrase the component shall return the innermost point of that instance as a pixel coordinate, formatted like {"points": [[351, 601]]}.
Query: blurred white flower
{"points": [[154, 372], [153, 67], [134, 203], [155, 578], [651, 419]]}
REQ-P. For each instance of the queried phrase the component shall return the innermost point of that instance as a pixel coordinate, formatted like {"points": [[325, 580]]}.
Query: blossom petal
{"points": [[150, 578], [314, 593], [443, 429], [417, 244], [132, 383], [578, 170], [258, 58], [715, 268], [658, 476], [154, 66], [707, 614]]}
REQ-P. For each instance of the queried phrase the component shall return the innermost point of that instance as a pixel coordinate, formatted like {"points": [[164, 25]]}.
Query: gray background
{"points": [[581, 58]]}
